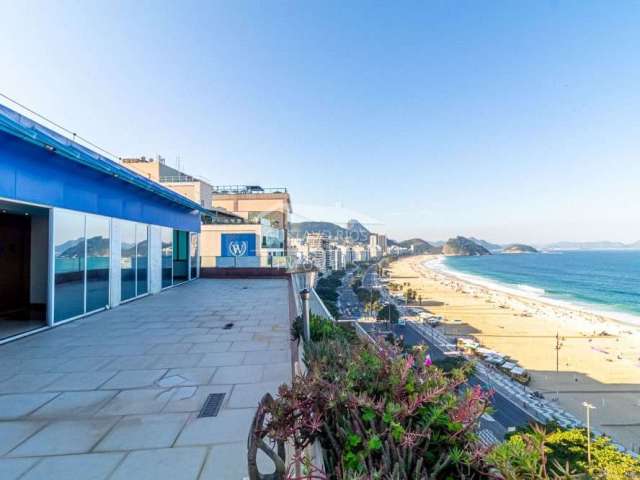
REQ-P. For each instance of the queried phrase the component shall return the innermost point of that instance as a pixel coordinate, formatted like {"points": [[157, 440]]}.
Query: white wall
{"points": [[39, 259], [155, 259]]}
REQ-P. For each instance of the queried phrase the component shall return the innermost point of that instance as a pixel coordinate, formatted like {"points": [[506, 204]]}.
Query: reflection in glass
{"points": [[127, 260], [194, 255], [167, 256], [180, 256], [97, 262], [69, 265], [142, 258]]}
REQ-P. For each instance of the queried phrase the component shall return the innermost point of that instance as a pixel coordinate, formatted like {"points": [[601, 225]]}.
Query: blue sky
{"points": [[511, 121]]}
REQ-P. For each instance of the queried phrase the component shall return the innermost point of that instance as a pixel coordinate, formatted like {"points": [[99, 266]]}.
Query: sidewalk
{"points": [[117, 395]]}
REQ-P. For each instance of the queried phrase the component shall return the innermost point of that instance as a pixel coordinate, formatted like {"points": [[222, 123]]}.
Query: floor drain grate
{"points": [[212, 405], [228, 326]]}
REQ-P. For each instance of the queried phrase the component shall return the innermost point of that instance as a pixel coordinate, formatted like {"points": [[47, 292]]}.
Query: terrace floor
{"points": [[117, 395]]}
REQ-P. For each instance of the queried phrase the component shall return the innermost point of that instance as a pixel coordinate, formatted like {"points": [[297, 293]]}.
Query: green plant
{"points": [[322, 329], [556, 453], [379, 414]]}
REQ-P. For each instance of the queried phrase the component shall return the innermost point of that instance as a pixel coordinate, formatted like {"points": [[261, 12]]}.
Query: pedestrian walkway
{"points": [[117, 395]]}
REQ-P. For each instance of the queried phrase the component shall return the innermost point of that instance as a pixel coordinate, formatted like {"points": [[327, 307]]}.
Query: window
{"points": [[69, 265], [127, 260], [167, 257], [142, 259], [98, 255], [194, 255]]}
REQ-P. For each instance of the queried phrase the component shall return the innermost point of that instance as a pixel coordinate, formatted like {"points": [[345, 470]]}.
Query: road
{"points": [[350, 308]]}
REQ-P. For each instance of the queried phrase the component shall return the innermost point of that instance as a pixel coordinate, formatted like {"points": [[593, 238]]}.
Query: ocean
{"points": [[606, 281]]}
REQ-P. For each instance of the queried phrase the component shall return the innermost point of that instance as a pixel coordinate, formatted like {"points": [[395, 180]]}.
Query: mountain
{"points": [[519, 248], [355, 230], [330, 229], [462, 246], [96, 246], [485, 244], [419, 246], [589, 245]]}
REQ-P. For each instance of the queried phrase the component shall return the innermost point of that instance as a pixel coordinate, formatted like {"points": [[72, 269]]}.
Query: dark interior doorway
{"points": [[180, 256], [24, 240]]}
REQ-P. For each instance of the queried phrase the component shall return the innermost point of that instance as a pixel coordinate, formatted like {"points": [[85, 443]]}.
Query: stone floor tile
{"points": [[249, 394], [229, 461], [74, 404], [139, 432], [162, 464], [231, 425], [21, 404], [212, 347], [221, 359], [169, 348], [238, 374], [192, 376], [88, 466], [191, 399], [268, 357], [280, 372], [14, 433], [64, 437], [28, 382], [82, 364], [249, 346], [178, 360], [133, 379], [79, 381], [13, 468], [137, 402]]}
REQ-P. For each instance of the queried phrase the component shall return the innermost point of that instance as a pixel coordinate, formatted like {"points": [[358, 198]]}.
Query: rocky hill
{"points": [[488, 245], [354, 230], [419, 246], [461, 246], [519, 248]]}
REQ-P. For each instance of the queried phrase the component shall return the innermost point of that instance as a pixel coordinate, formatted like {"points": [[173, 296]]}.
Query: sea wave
{"points": [[534, 293], [529, 289]]}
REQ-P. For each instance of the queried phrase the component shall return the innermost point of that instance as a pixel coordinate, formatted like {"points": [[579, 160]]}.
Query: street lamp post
{"points": [[588, 407], [306, 329]]}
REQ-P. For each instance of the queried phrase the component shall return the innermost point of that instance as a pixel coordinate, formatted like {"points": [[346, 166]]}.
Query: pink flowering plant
{"points": [[382, 414]]}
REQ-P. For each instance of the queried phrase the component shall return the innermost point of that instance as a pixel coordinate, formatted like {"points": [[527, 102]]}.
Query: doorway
{"points": [[24, 246]]}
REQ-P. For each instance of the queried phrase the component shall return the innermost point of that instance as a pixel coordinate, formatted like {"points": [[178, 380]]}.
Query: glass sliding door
{"points": [[193, 250], [70, 247], [167, 257], [98, 254], [142, 259], [127, 260], [180, 256]]}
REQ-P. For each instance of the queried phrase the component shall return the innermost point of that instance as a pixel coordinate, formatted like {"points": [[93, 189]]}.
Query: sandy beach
{"points": [[599, 358]]}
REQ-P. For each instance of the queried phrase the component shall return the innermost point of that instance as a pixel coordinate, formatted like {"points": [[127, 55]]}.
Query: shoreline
{"points": [[532, 293], [601, 369]]}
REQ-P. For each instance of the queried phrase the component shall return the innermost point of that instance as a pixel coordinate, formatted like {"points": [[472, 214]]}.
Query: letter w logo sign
{"points": [[238, 248]]}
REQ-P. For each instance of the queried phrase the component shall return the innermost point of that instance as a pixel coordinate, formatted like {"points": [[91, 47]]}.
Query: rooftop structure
{"points": [[83, 232]]}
